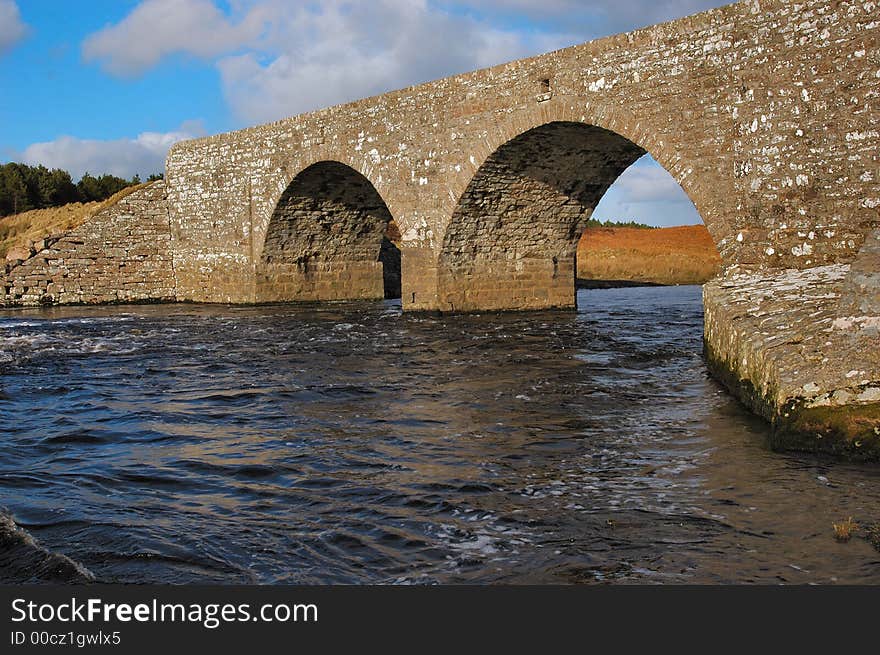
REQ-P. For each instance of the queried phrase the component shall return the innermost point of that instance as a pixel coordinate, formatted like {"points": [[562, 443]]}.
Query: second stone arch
{"points": [[331, 237]]}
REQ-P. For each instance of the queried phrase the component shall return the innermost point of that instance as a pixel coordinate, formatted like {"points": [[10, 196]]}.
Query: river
{"points": [[351, 443]]}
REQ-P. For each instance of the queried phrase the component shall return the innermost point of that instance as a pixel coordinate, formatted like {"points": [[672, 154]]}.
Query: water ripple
{"points": [[351, 443]]}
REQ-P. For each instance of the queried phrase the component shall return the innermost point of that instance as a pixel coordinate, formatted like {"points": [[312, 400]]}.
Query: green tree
{"points": [[89, 188], [24, 187], [14, 196], [56, 188]]}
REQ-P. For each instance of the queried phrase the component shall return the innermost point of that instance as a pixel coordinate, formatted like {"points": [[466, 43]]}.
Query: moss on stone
{"points": [[740, 387], [850, 431]]}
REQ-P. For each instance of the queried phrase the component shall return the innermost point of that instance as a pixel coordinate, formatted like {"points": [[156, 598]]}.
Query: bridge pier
{"points": [[500, 284], [418, 278], [336, 280], [511, 241]]}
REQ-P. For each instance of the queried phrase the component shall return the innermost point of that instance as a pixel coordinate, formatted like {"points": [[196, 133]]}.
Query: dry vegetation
{"points": [[843, 531], [671, 255], [18, 231]]}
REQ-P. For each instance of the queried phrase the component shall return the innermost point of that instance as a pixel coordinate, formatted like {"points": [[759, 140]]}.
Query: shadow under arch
{"points": [[324, 239], [511, 240]]}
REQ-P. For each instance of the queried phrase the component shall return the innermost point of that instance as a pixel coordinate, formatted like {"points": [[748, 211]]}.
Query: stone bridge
{"points": [[765, 112]]}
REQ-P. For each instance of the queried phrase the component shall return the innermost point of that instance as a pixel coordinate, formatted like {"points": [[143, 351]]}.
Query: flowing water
{"points": [[349, 443]]}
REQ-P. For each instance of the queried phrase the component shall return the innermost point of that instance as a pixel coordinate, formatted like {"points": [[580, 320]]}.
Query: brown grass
{"points": [[18, 231], [670, 255], [843, 531]]}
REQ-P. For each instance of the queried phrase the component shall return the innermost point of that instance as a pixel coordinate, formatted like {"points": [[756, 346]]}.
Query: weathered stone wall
{"points": [[342, 280], [121, 254], [763, 111], [861, 288]]}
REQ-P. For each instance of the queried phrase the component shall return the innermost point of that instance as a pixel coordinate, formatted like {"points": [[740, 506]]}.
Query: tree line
{"points": [[24, 187], [596, 223]]}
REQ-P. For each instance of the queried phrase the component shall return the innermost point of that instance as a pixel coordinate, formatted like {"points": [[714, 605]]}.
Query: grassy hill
{"points": [[670, 255]]}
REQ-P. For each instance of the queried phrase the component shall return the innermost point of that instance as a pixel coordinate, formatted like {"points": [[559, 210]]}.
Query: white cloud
{"points": [[12, 29], [158, 28], [278, 58], [647, 193], [142, 155], [343, 52], [648, 181]]}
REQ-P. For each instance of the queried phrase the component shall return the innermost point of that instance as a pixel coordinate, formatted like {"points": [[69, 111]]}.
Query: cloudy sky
{"points": [[109, 85]]}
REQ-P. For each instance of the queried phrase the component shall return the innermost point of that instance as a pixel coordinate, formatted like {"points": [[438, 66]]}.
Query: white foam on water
{"points": [[9, 325]]}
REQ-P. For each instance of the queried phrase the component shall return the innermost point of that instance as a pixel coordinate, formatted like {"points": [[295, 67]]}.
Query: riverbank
{"points": [[627, 256]]}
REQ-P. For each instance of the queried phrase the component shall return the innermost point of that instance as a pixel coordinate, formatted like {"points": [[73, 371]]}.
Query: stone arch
{"points": [[325, 239], [510, 240], [706, 190], [269, 188]]}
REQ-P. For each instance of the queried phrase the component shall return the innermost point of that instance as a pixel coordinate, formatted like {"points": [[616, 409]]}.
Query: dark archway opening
{"points": [[513, 239], [327, 238], [389, 255]]}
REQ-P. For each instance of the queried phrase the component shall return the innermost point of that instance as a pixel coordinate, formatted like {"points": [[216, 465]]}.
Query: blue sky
{"points": [[109, 85]]}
